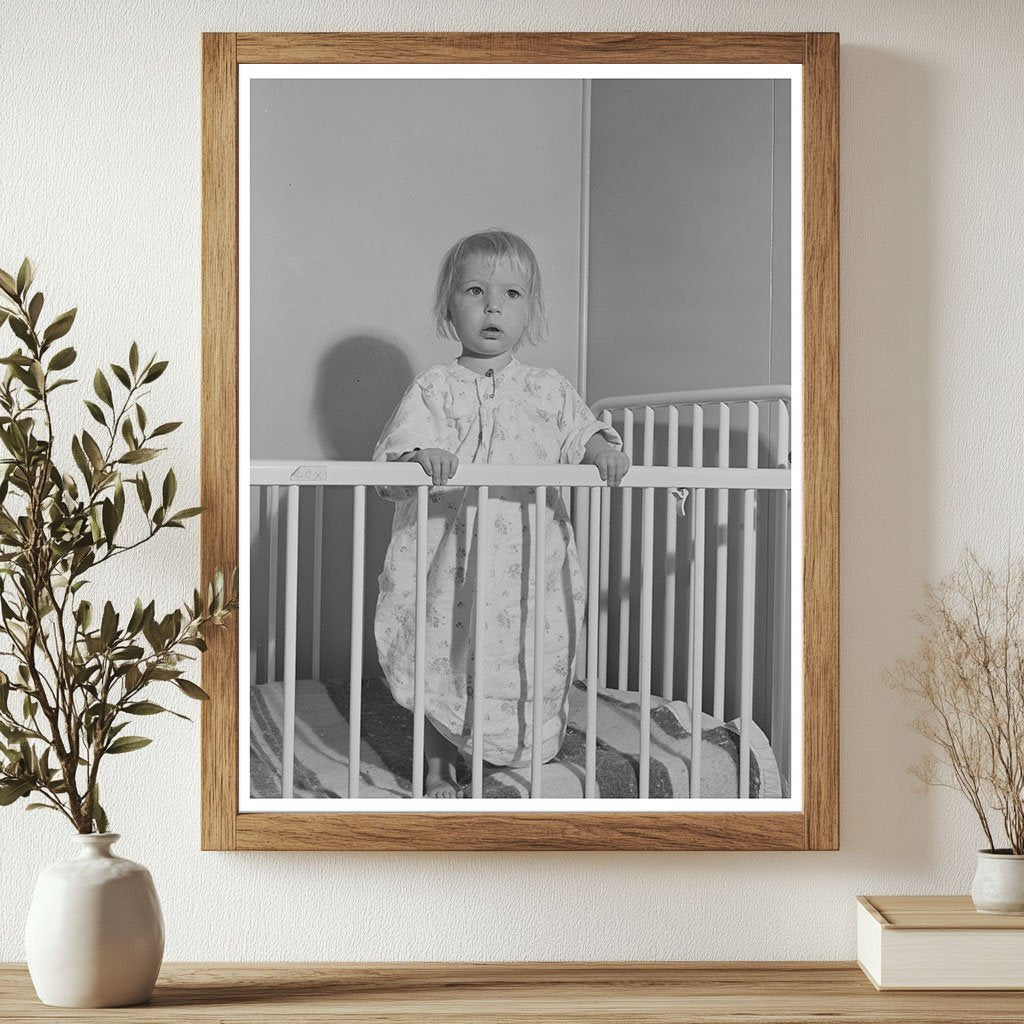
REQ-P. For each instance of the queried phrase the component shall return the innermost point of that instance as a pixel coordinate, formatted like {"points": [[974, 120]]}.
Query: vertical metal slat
{"points": [[721, 563], [419, 691], [593, 602], [291, 608], [355, 666], [539, 589], [668, 638], [749, 570], [479, 640], [646, 638], [318, 579], [625, 557]]}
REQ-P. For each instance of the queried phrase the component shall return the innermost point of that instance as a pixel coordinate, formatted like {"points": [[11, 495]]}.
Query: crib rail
{"points": [[673, 481], [761, 415]]}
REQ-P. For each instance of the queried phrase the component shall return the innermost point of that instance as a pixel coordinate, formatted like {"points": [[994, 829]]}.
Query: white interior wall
{"points": [[102, 187]]}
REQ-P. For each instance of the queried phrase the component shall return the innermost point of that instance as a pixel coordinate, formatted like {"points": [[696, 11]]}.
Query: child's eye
{"points": [[514, 293], [475, 289]]}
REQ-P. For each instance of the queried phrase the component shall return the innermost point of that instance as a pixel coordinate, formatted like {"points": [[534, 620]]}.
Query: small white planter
{"points": [[95, 933], [999, 883]]}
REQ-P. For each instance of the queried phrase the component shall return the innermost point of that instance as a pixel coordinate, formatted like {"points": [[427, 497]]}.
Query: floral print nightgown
{"points": [[520, 414]]}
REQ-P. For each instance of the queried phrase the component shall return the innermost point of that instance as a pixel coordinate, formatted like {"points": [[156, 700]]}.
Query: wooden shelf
{"points": [[665, 993]]}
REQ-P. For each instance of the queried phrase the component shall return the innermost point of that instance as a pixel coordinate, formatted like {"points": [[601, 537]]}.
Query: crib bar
{"points": [[355, 665], [593, 601], [646, 629], [780, 597], [602, 618], [273, 503], [581, 530], [419, 691], [721, 563], [696, 460], [648, 436], [539, 613], [291, 616], [318, 578], [625, 554], [697, 650], [668, 655], [747, 640], [482, 541]]}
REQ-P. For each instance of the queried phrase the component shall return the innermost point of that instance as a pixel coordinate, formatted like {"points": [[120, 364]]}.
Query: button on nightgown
{"points": [[520, 415]]}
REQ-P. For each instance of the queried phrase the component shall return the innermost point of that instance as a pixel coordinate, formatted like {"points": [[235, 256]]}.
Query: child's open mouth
{"points": [[491, 332]]}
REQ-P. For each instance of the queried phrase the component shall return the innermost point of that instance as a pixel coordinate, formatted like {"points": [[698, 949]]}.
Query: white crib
{"points": [[681, 446]]}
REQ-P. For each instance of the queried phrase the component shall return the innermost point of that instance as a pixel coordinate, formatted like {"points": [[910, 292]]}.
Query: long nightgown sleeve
{"points": [[579, 425], [419, 421]]}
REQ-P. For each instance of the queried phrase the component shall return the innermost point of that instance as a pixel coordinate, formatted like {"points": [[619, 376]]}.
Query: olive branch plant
{"points": [[80, 675], [966, 681]]}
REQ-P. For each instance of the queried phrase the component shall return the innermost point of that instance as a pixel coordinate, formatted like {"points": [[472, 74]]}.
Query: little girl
{"points": [[486, 406]]}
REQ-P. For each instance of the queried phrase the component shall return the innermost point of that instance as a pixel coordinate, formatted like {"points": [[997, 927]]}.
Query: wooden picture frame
{"points": [[816, 825]]}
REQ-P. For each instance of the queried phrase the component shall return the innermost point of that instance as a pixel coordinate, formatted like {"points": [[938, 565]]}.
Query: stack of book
{"points": [[938, 942]]}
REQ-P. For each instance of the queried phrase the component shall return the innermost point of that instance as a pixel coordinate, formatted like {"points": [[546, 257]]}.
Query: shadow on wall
{"points": [[358, 384]]}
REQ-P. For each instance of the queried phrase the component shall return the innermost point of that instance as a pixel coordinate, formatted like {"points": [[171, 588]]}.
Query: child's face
{"points": [[490, 306]]}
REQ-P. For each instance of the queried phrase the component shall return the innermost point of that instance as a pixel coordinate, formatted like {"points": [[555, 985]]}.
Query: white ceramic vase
{"points": [[999, 883], [95, 933]]}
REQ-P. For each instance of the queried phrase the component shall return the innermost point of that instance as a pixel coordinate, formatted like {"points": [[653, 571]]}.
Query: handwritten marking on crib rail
{"points": [[317, 473]]}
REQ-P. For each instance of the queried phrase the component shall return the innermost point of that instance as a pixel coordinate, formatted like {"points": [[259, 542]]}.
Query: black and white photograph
{"points": [[519, 460]]}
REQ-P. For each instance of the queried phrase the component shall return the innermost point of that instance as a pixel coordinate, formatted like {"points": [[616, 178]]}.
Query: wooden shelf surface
{"points": [[664, 993]]}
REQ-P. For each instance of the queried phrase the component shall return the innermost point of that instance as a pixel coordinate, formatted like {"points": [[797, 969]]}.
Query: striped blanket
{"points": [[321, 748]]}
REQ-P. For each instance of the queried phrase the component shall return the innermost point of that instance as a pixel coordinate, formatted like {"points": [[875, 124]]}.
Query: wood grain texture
{"points": [[821, 441], [521, 48], [219, 433], [536, 832], [817, 827], [936, 912], [615, 993]]}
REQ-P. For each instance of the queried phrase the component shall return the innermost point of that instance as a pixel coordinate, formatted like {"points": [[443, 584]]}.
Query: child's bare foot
{"points": [[440, 754], [442, 789]]}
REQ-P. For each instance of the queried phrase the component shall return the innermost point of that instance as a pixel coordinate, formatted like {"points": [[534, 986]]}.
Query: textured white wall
{"points": [[100, 183]]}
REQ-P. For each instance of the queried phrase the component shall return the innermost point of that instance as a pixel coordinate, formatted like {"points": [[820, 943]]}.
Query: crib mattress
{"points": [[321, 749]]}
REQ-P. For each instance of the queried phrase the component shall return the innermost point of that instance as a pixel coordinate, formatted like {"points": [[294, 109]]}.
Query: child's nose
{"points": [[493, 304]]}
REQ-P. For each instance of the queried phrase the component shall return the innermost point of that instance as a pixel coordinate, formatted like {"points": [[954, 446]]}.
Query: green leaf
{"points": [[60, 326], [102, 388], [15, 790], [121, 374], [154, 371], [139, 455], [165, 428], [185, 513], [125, 744], [145, 498], [108, 627], [20, 328], [80, 458], [41, 807], [92, 449], [140, 415], [170, 488], [8, 284], [96, 412], [99, 816], [191, 690], [128, 433], [109, 517], [26, 274], [34, 308], [143, 707], [133, 358], [63, 359]]}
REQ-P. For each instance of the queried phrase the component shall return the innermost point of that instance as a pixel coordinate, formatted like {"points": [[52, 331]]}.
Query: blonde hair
{"points": [[493, 244]]}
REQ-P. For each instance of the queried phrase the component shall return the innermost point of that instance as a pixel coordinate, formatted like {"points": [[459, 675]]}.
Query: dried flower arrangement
{"points": [[967, 683]]}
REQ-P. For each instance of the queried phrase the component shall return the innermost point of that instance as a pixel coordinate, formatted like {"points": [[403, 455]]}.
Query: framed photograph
{"points": [[520, 420]]}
